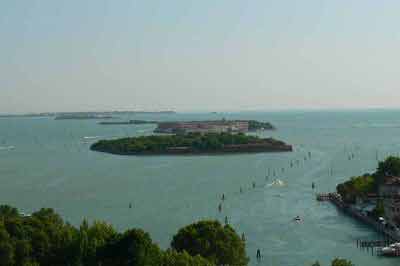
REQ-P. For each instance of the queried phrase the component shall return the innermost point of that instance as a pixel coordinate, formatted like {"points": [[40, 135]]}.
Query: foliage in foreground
{"points": [[45, 239]]}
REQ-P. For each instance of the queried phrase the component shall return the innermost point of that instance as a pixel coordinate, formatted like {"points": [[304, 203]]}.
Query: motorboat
{"points": [[387, 251], [297, 219], [391, 250], [277, 183]]}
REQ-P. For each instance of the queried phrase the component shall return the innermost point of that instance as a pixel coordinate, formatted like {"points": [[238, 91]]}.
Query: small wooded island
{"points": [[191, 143]]}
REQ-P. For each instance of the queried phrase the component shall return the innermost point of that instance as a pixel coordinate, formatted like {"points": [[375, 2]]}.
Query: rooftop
{"points": [[392, 181]]}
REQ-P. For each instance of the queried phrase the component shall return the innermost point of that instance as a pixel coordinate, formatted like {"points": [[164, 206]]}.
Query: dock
{"points": [[372, 243], [388, 236], [324, 196]]}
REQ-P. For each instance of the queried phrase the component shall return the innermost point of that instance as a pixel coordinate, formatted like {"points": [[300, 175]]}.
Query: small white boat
{"points": [[277, 183], [91, 137], [7, 148], [391, 250], [388, 251]]}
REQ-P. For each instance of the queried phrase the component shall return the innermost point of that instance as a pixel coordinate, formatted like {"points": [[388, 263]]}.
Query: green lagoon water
{"points": [[51, 166]]}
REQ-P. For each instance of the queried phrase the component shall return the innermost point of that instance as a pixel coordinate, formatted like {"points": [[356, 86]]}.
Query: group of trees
{"points": [[369, 183], [160, 143], [357, 187], [389, 167], [361, 186], [44, 239], [256, 125], [220, 245]]}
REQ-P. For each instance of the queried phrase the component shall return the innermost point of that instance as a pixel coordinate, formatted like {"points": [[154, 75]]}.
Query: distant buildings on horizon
{"points": [[218, 126]]}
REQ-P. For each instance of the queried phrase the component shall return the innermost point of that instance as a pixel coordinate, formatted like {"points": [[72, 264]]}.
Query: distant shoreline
{"points": [[105, 113], [130, 122]]}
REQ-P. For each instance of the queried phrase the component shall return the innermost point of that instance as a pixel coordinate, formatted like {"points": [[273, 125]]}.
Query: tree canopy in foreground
{"points": [[44, 239], [209, 239]]}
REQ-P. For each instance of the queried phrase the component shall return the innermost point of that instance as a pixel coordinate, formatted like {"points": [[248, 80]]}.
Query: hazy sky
{"points": [[70, 55]]}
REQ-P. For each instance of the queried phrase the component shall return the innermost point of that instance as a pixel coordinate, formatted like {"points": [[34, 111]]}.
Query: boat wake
{"points": [[91, 137], [376, 125], [277, 183], [6, 148]]}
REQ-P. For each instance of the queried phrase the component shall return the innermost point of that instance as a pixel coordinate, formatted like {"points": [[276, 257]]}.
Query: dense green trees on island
{"points": [[359, 186], [190, 143]]}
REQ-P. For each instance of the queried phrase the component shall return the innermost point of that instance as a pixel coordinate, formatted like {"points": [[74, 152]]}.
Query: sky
{"points": [[189, 55]]}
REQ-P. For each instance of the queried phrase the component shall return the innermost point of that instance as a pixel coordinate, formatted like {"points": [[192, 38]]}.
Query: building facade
{"points": [[219, 126], [389, 191]]}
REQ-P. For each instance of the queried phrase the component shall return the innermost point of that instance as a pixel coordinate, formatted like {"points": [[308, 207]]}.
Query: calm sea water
{"points": [[47, 163]]}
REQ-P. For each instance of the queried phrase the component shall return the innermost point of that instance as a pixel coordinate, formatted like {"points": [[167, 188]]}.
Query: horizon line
{"points": [[183, 111]]}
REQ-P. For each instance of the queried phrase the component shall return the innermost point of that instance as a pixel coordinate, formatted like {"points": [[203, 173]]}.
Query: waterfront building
{"points": [[219, 126], [389, 191]]}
